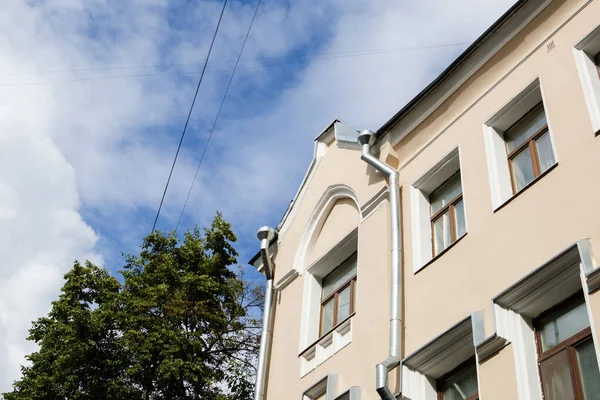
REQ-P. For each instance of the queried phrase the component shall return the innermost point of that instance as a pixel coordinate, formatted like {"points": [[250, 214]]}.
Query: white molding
{"points": [[375, 202], [489, 347], [337, 130], [416, 385], [290, 215], [351, 394], [495, 148], [420, 207], [519, 332], [286, 279], [513, 309], [584, 51], [327, 385], [445, 352], [316, 220], [547, 285], [311, 294], [326, 347]]}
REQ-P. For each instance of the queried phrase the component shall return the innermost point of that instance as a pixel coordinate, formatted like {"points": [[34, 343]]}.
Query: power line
{"points": [[187, 121], [218, 114], [301, 59], [314, 55]]}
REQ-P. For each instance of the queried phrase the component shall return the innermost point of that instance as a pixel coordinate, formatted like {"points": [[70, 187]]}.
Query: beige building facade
{"points": [[498, 174]]}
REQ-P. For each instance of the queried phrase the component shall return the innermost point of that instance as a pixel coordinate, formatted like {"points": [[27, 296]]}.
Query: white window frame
{"points": [[516, 307], [584, 52], [328, 386], [422, 368], [421, 208], [315, 350], [495, 145]]}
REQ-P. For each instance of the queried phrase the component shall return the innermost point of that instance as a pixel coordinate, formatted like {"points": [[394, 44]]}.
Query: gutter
{"points": [[266, 236], [366, 140]]}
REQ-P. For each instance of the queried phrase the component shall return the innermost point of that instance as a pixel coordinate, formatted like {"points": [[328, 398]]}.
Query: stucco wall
{"points": [[503, 246], [500, 247], [491, 387]]}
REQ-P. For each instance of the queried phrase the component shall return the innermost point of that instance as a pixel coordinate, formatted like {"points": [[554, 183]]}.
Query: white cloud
{"points": [[41, 234], [105, 146]]}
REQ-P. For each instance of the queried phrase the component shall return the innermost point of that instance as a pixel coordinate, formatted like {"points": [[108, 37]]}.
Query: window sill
{"points": [[434, 259], [326, 334], [526, 187], [326, 346]]}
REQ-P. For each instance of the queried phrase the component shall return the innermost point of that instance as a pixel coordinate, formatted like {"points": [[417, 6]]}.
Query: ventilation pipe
{"points": [[366, 140], [266, 236]]}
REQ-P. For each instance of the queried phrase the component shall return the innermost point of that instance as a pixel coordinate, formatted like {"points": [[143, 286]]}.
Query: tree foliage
{"points": [[181, 325]]}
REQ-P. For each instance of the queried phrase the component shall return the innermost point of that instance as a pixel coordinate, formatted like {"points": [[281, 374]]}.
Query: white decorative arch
{"points": [[312, 283], [316, 220]]}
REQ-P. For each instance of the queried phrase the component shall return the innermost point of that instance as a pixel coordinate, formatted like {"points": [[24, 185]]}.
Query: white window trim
{"points": [[422, 368], [513, 309], [421, 210], [311, 299], [328, 386], [315, 350], [584, 52], [495, 148]]}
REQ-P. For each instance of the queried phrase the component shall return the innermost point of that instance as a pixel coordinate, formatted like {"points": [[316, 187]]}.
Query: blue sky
{"points": [[94, 94]]}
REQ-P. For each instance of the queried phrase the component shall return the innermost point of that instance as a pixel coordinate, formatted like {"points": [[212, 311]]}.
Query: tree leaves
{"points": [[182, 325]]}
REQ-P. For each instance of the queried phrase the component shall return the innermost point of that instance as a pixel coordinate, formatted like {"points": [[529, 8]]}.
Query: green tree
{"points": [[79, 355], [182, 325]]}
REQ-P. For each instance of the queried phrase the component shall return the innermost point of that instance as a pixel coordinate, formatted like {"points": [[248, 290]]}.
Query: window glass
{"points": [[344, 304], [517, 134], [459, 217], [588, 368], [445, 193], [564, 326], [441, 233], [339, 276], [327, 316], [556, 377], [460, 386], [522, 169], [545, 153]]}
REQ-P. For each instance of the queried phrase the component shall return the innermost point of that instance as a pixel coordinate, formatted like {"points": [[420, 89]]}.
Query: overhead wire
{"points": [[187, 121], [300, 59], [218, 114], [314, 55]]}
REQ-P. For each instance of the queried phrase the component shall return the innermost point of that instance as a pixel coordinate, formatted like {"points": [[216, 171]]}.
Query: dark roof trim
{"points": [[456, 64], [253, 259]]}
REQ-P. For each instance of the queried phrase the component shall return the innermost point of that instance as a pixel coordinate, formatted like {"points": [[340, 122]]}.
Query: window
{"points": [[460, 384], [566, 356], [319, 390], [438, 214], [529, 148], [338, 295], [447, 214], [519, 145], [328, 303]]}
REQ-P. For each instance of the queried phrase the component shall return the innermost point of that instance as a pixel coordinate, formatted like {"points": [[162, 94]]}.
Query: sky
{"points": [[94, 95]]}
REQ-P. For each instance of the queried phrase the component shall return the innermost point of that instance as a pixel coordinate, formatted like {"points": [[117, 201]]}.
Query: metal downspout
{"points": [[266, 236], [366, 140]]}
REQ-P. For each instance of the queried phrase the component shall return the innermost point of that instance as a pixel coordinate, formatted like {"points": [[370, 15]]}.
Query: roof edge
{"points": [[456, 65]]}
